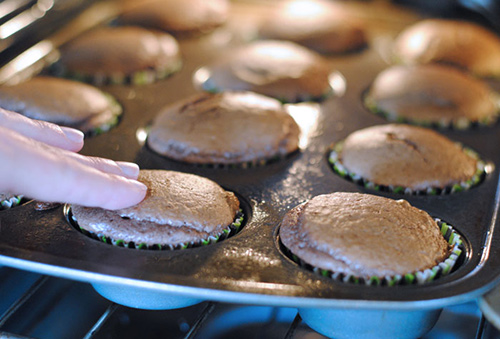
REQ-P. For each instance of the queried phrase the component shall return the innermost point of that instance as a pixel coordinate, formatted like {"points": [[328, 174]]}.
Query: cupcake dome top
{"points": [[64, 102], [119, 50], [322, 26], [363, 235], [279, 69], [432, 94], [176, 16], [463, 44], [224, 128], [406, 156], [178, 207]]}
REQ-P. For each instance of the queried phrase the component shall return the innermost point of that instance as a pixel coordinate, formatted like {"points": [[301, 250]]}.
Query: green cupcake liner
{"points": [[459, 124], [116, 112], [144, 77], [477, 178], [414, 278], [12, 202], [231, 230]]}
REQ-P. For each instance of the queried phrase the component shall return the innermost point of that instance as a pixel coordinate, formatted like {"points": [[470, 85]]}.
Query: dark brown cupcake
{"points": [[364, 236], [178, 17], [121, 55], [459, 43], [279, 69], [321, 26], [180, 210], [433, 95], [406, 159], [225, 128], [63, 102]]}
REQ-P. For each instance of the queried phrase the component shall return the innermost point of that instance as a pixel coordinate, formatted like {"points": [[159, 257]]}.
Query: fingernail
{"points": [[129, 169], [73, 134], [139, 186]]}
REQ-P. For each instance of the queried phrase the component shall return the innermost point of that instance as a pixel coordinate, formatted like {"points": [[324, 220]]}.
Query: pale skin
{"points": [[39, 160]]}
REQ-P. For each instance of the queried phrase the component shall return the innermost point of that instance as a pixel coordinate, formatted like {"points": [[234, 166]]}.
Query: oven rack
{"points": [[38, 306]]}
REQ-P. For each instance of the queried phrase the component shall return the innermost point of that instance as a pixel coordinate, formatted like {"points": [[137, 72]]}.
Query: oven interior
{"points": [[34, 305]]}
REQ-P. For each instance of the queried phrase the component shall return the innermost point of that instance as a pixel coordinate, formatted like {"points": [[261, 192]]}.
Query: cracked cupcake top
{"points": [[224, 128], [363, 235], [406, 156]]}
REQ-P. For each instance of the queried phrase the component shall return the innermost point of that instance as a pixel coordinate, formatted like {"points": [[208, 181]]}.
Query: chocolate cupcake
{"points": [[279, 69], [433, 95], [120, 55], [230, 128], [462, 44], [178, 17], [63, 102], [321, 26], [180, 210], [406, 159], [8, 200], [355, 237]]}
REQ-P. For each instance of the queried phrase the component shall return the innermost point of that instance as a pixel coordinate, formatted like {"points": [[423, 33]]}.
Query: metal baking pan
{"points": [[250, 267]]}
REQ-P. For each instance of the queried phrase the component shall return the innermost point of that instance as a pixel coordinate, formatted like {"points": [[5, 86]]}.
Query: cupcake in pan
{"points": [[63, 102], [8, 200], [279, 69], [178, 17], [180, 210], [321, 26], [432, 95], [120, 55], [459, 43], [362, 238], [406, 159], [229, 128]]}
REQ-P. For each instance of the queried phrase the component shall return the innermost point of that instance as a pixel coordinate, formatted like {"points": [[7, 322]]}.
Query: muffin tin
{"points": [[250, 266]]}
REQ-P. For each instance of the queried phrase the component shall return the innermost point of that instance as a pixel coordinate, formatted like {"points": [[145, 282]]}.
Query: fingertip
{"points": [[135, 193], [129, 169], [74, 136]]}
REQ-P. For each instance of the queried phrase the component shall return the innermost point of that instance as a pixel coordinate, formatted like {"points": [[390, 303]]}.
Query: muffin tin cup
{"points": [[249, 267]]}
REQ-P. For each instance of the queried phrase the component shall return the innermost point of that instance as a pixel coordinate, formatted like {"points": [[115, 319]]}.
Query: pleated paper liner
{"points": [[459, 124], [11, 202], [143, 77], [238, 223], [115, 114], [477, 178], [413, 278]]}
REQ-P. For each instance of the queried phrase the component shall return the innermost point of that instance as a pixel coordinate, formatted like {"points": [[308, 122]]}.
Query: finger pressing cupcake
{"points": [[119, 55], [279, 69], [459, 43], [406, 159], [63, 102], [229, 128], [321, 26], [180, 210], [362, 238], [178, 17], [433, 95]]}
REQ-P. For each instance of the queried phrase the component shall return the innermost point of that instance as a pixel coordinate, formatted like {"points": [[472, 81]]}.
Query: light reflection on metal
{"points": [[337, 83], [25, 60], [200, 77], [10, 6], [141, 135], [25, 19], [306, 115]]}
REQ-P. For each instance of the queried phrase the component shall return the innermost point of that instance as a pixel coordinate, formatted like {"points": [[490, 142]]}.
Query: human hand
{"points": [[37, 160]]}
